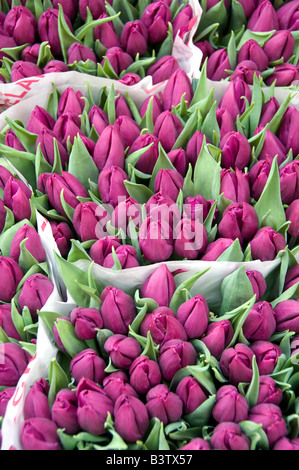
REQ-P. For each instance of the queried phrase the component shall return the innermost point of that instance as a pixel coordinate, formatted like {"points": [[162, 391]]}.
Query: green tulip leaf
{"points": [[201, 416], [57, 380], [179, 295], [206, 173], [256, 435], [156, 439], [232, 253], [236, 289], [66, 330], [81, 164]]}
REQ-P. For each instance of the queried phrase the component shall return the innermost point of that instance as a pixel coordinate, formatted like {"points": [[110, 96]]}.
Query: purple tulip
{"points": [[269, 109], [157, 107], [70, 101], [271, 419], [218, 65], [134, 37], [64, 411], [67, 127], [155, 239], [292, 214], [251, 50], [170, 182], [35, 292], [266, 244], [287, 315], [212, 3], [236, 151], [39, 434], [89, 220], [11, 275], [70, 7], [233, 98], [80, 53], [88, 364], [118, 58], [269, 391], [264, 18], [102, 248], [6, 41], [190, 238], [5, 397], [197, 443], [289, 182], [236, 363], [14, 361], [167, 128], [62, 234], [97, 7], [33, 244], [258, 176], [130, 79], [260, 323], [162, 70], [174, 355], [126, 255], [239, 221], [288, 16], [235, 185], [281, 44], [272, 146], [162, 325], [249, 6], [177, 85], [122, 110], [6, 322], [246, 70], [178, 159], [93, 408], [54, 66], [111, 185], [225, 122], [215, 249], [283, 75], [39, 119], [159, 286], [292, 277], [156, 17], [109, 149], [161, 207], [122, 350], [258, 283], [163, 404], [148, 159], [194, 146], [48, 29], [117, 384], [36, 404], [144, 374], [31, 53], [287, 130], [192, 394], [285, 443], [86, 322], [106, 34], [12, 141], [197, 208], [128, 129], [194, 316], [230, 405], [98, 118], [21, 24], [267, 355], [228, 436], [218, 336], [131, 418], [118, 310], [46, 140], [180, 23]]}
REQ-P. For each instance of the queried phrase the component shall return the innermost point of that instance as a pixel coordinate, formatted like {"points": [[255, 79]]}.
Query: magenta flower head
{"points": [[93, 408], [148, 159], [86, 322], [31, 53], [246, 70], [54, 66], [131, 418], [6, 322], [258, 176], [169, 181], [116, 384], [118, 58], [163, 404], [39, 119], [106, 34], [289, 182], [215, 249], [230, 405], [225, 122], [285, 443], [53, 184], [109, 149], [197, 208], [288, 17], [32, 243], [287, 130], [249, 6], [48, 29], [218, 336], [228, 436], [236, 151], [156, 239], [190, 239], [35, 292], [118, 310], [156, 17], [283, 75], [21, 69], [192, 394], [67, 127], [144, 374], [70, 101], [174, 355], [162, 325], [80, 53], [178, 158], [62, 234], [264, 18], [287, 315], [111, 185], [46, 140], [70, 7], [134, 37], [239, 221], [266, 244], [5, 396], [292, 214], [39, 434], [194, 146], [281, 44], [122, 350], [88, 364], [251, 50], [233, 98], [89, 220], [258, 283], [272, 146], [97, 7], [292, 277], [102, 248], [64, 411], [127, 256], [269, 392], [206, 48], [271, 419], [167, 128], [260, 323], [161, 207], [269, 109], [196, 443], [218, 65], [235, 185], [14, 361], [177, 85], [160, 286], [98, 118], [128, 128], [11, 275], [21, 24], [6, 41], [12, 141], [194, 316], [162, 70], [212, 3], [156, 104], [181, 21], [236, 363], [36, 402], [267, 354]]}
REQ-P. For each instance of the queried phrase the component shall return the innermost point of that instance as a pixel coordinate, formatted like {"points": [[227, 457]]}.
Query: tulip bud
{"points": [[89, 365], [260, 323], [13, 363], [6, 41], [281, 44], [267, 355], [35, 292], [93, 408], [86, 322], [162, 70], [292, 277], [39, 434], [286, 444], [197, 208], [292, 214], [288, 16], [98, 118], [218, 336], [64, 411], [117, 384], [266, 244], [235, 185], [258, 176], [249, 6], [6, 322], [148, 159], [97, 7], [89, 220], [159, 286], [62, 234], [264, 18], [191, 238], [206, 48], [134, 38], [178, 159], [11, 275], [236, 363], [161, 207], [21, 24], [67, 127], [102, 248], [177, 85], [12, 141], [129, 129], [122, 350], [70, 7], [144, 374], [225, 121], [33, 244], [80, 53], [192, 394], [289, 179], [167, 128], [70, 101], [287, 315], [170, 182], [215, 249], [39, 119], [246, 70], [155, 239], [36, 403], [236, 151], [218, 65], [228, 436], [46, 140], [156, 105], [181, 22], [287, 130], [194, 316], [109, 149], [258, 283], [118, 58], [106, 34], [111, 185], [126, 255], [272, 146], [233, 98], [252, 51], [196, 444], [156, 17], [54, 66], [131, 418], [118, 310], [174, 355], [230, 405], [271, 419], [162, 325], [239, 221], [163, 404], [48, 29], [5, 397], [31, 53], [269, 109], [269, 391], [283, 75], [194, 146]]}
